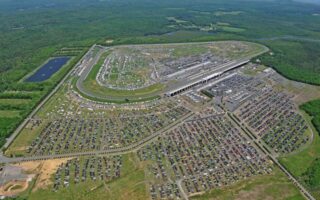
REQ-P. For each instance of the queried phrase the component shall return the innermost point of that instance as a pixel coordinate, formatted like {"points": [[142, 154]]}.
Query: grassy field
{"points": [[299, 163], [296, 60], [312, 176], [117, 95], [27, 135], [130, 185], [13, 108], [275, 186], [231, 29], [18, 102], [118, 100], [313, 109], [10, 113], [100, 91], [22, 142], [229, 49], [14, 101], [43, 29]]}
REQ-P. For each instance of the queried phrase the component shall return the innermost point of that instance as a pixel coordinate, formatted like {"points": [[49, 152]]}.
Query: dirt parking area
{"points": [[43, 169]]}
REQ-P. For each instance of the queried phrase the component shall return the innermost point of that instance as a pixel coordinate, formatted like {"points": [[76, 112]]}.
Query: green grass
{"points": [[23, 140], [113, 77], [114, 70], [182, 51], [122, 100], [7, 125], [92, 88], [254, 72], [101, 91], [299, 163], [47, 28], [16, 105], [222, 13], [313, 109], [296, 60], [306, 164], [231, 29], [14, 101], [312, 175], [130, 185], [273, 186], [116, 95], [10, 113]]}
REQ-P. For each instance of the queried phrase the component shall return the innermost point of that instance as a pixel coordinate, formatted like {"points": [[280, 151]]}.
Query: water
{"points": [[47, 70]]}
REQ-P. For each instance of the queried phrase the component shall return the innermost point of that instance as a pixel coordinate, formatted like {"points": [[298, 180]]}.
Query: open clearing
{"points": [[43, 169], [129, 185], [145, 72], [275, 186], [13, 188], [180, 144], [10, 113]]}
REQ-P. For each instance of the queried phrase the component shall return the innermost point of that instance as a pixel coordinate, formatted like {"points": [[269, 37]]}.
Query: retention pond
{"points": [[48, 69]]}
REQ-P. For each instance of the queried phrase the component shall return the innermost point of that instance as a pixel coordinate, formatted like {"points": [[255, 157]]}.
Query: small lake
{"points": [[47, 70]]}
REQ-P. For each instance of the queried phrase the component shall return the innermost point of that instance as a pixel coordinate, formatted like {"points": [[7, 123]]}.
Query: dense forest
{"points": [[31, 31], [313, 109], [312, 175], [297, 60]]}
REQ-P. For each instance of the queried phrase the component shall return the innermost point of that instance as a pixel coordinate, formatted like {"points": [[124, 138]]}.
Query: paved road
{"points": [[24, 123], [111, 151], [263, 148], [84, 75], [134, 146], [219, 69], [91, 94], [184, 195], [79, 85], [198, 79]]}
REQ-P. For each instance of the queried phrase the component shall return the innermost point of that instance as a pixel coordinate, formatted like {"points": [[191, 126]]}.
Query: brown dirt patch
{"points": [[44, 170], [48, 168], [13, 187]]}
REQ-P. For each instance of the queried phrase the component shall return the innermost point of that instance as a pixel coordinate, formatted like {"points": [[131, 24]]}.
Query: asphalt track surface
{"points": [[132, 147], [220, 69], [87, 69]]}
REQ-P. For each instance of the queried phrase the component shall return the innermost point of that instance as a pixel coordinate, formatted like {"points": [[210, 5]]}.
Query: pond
{"points": [[47, 70]]}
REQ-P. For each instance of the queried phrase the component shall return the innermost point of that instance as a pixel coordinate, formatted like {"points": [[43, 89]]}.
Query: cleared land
{"points": [[129, 185], [155, 67], [295, 56], [299, 163], [173, 147], [273, 186]]}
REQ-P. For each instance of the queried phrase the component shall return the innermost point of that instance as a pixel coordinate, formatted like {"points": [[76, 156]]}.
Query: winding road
{"points": [[112, 151], [134, 146]]}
